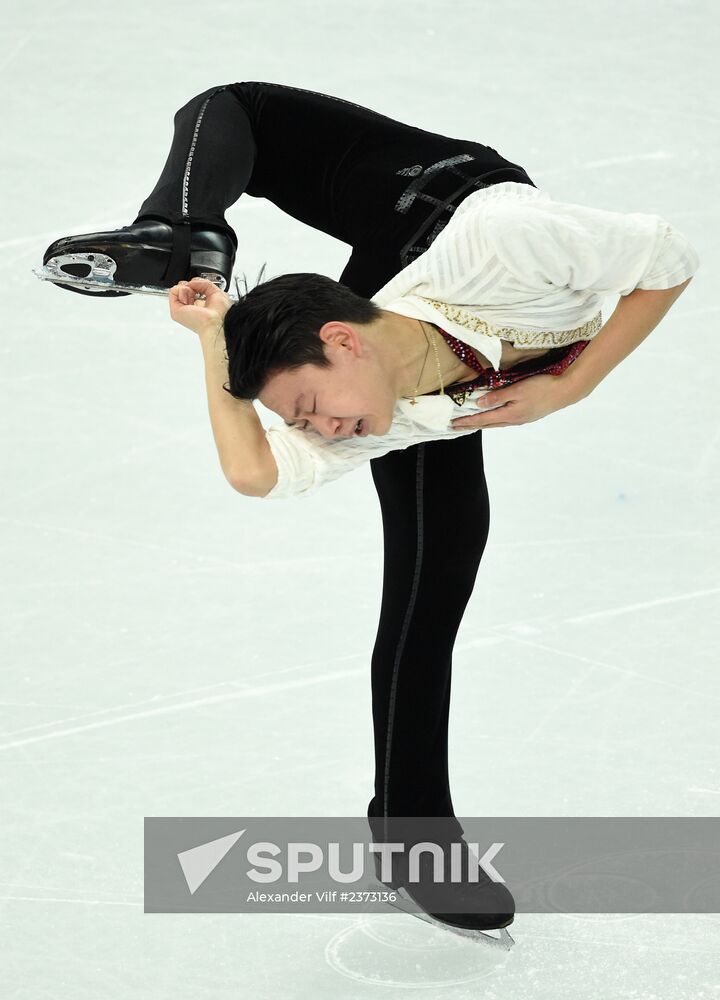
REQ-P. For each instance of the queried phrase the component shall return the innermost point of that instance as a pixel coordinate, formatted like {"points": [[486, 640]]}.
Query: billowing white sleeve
{"points": [[306, 460], [546, 242], [675, 261]]}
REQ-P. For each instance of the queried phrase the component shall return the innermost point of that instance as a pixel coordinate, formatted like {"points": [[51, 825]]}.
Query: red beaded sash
{"points": [[554, 362]]}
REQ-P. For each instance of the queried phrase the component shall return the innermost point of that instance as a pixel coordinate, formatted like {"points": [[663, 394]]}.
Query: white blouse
{"points": [[512, 264]]}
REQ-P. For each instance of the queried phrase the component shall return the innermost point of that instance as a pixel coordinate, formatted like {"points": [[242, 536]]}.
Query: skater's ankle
{"points": [[151, 218]]}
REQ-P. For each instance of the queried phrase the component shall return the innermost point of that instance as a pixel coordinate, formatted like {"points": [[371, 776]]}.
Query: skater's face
{"points": [[332, 400]]}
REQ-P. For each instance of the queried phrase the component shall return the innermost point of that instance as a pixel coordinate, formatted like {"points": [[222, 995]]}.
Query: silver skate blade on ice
{"points": [[101, 276], [504, 941]]}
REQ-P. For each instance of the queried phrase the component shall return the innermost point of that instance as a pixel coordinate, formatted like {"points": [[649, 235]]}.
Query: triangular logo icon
{"points": [[198, 862]]}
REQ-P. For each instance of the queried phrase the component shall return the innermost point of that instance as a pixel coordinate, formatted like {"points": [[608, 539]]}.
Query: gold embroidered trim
{"points": [[518, 336]]}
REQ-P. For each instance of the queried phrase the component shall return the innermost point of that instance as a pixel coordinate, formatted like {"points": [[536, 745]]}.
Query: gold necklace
{"points": [[413, 401]]}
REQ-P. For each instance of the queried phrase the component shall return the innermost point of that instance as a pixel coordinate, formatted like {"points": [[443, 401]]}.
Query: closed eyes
{"points": [[302, 427]]}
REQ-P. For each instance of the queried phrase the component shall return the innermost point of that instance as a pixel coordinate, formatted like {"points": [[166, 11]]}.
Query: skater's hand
{"points": [[198, 314], [522, 402]]}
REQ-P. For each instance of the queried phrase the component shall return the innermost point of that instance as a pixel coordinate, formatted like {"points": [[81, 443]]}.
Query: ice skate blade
{"points": [[503, 942], [101, 277]]}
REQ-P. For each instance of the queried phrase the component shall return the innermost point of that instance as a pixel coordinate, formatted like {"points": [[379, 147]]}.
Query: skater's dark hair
{"points": [[274, 326]]}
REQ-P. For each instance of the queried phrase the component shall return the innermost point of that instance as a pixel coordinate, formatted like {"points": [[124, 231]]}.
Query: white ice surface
{"points": [[171, 647]]}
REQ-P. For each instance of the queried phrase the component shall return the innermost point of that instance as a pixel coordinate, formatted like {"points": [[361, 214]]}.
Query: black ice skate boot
{"points": [[148, 252], [483, 904]]}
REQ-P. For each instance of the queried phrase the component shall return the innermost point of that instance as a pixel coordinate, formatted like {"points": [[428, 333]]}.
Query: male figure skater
{"points": [[401, 321]]}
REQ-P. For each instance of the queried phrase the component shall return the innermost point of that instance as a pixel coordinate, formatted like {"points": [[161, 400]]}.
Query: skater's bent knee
{"points": [[198, 99]]}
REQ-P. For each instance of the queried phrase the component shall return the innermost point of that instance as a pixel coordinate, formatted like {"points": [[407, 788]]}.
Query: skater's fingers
{"points": [[216, 299], [190, 312], [202, 286], [182, 294]]}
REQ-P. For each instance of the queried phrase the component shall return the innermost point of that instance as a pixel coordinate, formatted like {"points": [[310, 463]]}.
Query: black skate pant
{"points": [[386, 189]]}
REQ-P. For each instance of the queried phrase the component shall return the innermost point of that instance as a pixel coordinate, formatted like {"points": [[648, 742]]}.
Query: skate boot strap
{"points": [[179, 264]]}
